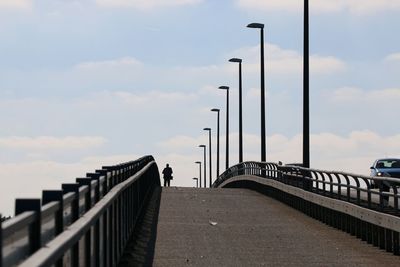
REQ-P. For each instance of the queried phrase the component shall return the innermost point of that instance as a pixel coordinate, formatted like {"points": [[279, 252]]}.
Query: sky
{"points": [[87, 83]]}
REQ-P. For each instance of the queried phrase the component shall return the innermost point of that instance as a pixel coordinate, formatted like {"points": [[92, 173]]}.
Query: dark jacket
{"points": [[167, 172]]}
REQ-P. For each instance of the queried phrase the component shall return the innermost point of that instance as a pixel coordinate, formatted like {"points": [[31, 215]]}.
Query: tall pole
{"points": [[238, 60], [263, 132], [209, 149], [199, 162], [227, 126], [205, 168], [217, 110], [306, 90]]}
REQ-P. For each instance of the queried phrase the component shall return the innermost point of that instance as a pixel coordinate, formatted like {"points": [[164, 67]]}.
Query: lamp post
{"points": [[263, 135], [209, 149], [238, 60], [217, 110], [227, 125], [197, 182], [205, 168], [199, 162], [306, 88]]}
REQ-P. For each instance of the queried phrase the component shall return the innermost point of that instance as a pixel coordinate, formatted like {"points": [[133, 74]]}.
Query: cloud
{"points": [[182, 142], [285, 61], [367, 97], [16, 4], [395, 57], [145, 5], [51, 142], [328, 150], [358, 7], [28, 179]]}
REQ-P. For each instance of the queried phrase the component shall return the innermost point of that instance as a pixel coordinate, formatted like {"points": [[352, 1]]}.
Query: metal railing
{"points": [[374, 200], [87, 223]]}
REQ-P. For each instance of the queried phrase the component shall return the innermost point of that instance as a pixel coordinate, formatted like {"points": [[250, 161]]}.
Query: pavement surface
{"points": [[240, 227]]}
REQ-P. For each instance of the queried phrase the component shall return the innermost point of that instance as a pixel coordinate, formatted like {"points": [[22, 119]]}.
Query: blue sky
{"points": [[90, 82]]}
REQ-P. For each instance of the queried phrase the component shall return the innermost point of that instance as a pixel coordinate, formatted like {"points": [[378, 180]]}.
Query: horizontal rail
{"points": [[39, 223], [48, 255], [376, 198]]}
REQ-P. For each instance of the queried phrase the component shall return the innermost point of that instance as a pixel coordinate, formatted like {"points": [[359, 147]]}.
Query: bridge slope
{"points": [[251, 230]]}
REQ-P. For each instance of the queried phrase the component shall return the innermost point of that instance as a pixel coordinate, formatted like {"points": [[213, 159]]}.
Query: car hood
{"points": [[395, 172]]}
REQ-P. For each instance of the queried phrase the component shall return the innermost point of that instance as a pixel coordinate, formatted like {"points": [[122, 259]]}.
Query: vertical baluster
{"points": [[96, 239], [22, 205], [67, 188], [56, 195], [88, 204]]}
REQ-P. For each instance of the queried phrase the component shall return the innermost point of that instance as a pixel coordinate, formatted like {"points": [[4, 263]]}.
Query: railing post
{"points": [[96, 238], [56, 195], [396, 245], [22, 205], [88, 204], [105, 233], [67, 188]]}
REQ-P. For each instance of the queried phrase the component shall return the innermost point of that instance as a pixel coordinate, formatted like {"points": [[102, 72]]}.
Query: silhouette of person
{"points": [[167, 172]]}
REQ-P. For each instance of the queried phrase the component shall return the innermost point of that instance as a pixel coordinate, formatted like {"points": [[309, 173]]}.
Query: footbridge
{"points": [[255, 214]]}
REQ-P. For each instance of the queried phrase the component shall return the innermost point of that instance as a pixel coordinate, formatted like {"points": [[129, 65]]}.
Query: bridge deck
{"points": [[251, 230]]}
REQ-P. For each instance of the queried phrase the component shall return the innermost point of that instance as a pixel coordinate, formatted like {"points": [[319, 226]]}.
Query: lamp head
{"points": [[256, 25], [215, 109], [198, 162], [207, 129], [202, 146], [238, 60], [224, 87], [195, 178]]}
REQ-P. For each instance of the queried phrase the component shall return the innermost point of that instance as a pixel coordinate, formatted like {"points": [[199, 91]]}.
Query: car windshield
{"points": [[388, 164]]}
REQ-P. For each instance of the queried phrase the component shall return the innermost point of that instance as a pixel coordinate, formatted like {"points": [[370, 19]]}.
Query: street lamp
{"points": [[209, 149], [217, 110], [197, 181], [205, 174], [199, 162], [263, 135], [227, 125], [306, 91], [238, 60]]}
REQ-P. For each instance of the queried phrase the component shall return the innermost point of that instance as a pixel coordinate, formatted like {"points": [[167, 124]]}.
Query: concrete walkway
{"points": [[251, 230]]}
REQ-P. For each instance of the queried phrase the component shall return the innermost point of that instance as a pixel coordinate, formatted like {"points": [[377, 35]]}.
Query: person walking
{"points": [[167, 172]]}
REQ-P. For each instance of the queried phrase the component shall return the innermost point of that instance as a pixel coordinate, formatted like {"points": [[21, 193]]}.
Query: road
{"points": [[240, 227]]}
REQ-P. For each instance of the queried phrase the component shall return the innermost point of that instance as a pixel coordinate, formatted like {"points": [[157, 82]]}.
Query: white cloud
{"points": [[354, 152], [375, 97], [358, 7], [284, 61], [18, 4], [51, 142], [145, 4], [28, 179], [395, 57], [182, 142]]}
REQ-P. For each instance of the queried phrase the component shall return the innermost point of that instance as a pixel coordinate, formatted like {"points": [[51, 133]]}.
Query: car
{"points": [[389, 167]]}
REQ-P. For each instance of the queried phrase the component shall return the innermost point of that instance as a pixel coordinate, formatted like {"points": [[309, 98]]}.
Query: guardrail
{"points": [[87, 223], [374, 199]]}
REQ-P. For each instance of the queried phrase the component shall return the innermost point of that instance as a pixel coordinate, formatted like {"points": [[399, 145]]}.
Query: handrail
{"points": [[340, 185], [363, 206], [109, 200]]}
